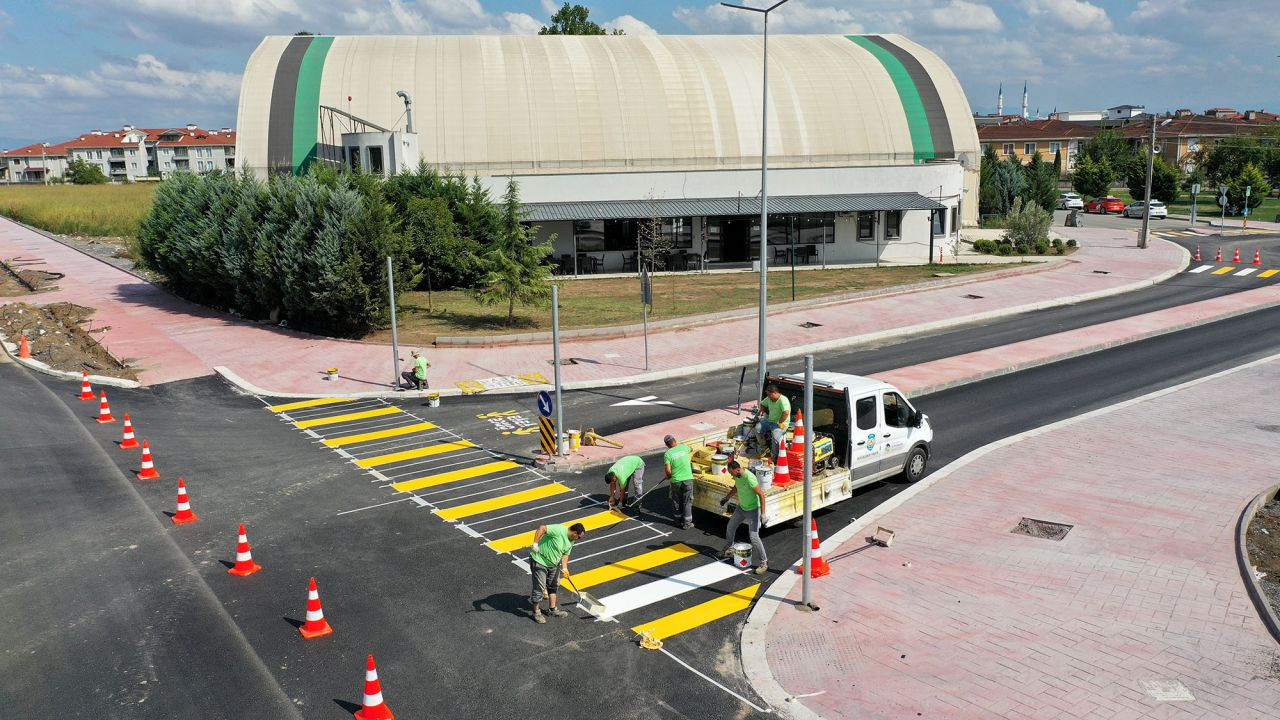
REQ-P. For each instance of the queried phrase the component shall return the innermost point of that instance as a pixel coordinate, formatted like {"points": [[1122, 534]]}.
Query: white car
{"points": [[1134, 209], [1070, 201]]}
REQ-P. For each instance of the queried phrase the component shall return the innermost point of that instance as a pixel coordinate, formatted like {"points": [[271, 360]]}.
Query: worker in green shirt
{"points": [[751, 508], [627, 474], [680, 472], [417, 377], [548, 560], [777, 418]]}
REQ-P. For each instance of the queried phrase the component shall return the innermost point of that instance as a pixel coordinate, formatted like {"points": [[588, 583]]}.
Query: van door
{"points": [[895, 431], [864, 437]]}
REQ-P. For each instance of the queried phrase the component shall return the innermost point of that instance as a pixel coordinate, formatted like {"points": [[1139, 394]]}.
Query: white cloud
{"points": [[631, 25], [965, 16], [1154, 9], [1074, 14], [797, 16]]}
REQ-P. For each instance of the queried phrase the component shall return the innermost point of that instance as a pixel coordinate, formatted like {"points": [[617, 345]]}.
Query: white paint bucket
{"points": [[565, 443], [742, 556], [763, 473], [433, 400], [719, 464]]}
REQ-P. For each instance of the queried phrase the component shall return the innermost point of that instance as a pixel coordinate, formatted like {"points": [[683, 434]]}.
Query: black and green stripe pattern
{"points": [[295, 104], [926, 116]]}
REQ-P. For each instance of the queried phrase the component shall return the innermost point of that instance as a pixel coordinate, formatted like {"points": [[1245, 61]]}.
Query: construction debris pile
{"points": [[16, 280], [56, 337]]}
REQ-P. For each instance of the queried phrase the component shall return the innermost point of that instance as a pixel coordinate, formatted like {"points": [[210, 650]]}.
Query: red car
{"points": [[1104, 205]]}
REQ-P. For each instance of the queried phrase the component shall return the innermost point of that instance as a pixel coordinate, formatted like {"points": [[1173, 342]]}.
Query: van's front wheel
{"points": [[917, 461]]}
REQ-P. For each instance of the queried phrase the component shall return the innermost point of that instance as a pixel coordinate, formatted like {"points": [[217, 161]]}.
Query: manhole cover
{"points": [[1166, 690], [971, 296], [810, 325], [1042, 529]]}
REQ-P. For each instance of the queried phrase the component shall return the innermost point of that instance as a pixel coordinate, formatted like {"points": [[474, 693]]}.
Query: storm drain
{"points": [[971, 296], [807, 325], [1101, 272], [1042, 529], [575, 361]]}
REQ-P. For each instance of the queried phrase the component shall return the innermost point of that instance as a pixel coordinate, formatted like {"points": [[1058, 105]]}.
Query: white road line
{"points": [[369, 507], [403, 464], [538, 520], [1200, 269], [1245, 271], [691, 669], [573, 559], [666, 588], [420, 502], [483, 492], [463, 487]]}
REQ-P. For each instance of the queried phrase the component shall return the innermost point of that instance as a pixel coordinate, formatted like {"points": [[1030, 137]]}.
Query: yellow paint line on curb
{"points": [[632, 565], [453, 476], [502, 501], [700, 614], [379, 434], [334, 419], [307, 403], [438, 449], [590, 522]]}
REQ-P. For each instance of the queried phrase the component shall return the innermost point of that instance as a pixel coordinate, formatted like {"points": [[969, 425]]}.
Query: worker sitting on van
{"points": [[773, 426]]}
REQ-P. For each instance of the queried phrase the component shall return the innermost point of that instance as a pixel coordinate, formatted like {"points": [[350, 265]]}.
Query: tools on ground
{"points": [[24, 350], [184, 514], [648, 641], [373, 707], [104, 410], [147, 470], [128, 442], [817, 566], [586, 600], [883, 537], [244, 558], [591, 438], [315, 626], [86, 391]]}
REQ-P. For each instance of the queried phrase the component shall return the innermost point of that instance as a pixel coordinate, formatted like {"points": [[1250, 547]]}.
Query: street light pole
{"points": [[764, 197], [1146, 196]]}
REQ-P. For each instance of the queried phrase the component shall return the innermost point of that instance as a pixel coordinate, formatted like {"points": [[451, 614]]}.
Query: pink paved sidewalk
{"points": [[962, 619], [172, 339]]}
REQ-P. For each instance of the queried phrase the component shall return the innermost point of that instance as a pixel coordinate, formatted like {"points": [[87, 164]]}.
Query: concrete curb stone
{"points": [[1259, 598], [11, 350]]}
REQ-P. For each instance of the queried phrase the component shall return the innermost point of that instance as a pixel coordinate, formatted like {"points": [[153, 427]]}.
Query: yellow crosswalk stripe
{"points": [[631, 565], [379, 434], [502, 501], [590, 522], [1267, 273], [332, 419], [700, 614], [453, 476], [1224, 270], [307, 403], [428, 451]]}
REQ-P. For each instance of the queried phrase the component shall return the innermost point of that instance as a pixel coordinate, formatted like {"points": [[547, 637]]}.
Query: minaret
{"points": [[1000, 101], [1024, 100]]}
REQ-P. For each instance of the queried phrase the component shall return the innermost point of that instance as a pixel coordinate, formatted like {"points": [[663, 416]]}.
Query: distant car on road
{"points": [[1070, 201], [1158, 210], [1104, 205]]}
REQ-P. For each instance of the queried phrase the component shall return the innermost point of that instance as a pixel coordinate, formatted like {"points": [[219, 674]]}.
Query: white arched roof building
{"points": [[593, 125]]}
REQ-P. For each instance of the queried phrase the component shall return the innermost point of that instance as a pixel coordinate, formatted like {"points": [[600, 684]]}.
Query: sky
{"points": [[69, 66]]}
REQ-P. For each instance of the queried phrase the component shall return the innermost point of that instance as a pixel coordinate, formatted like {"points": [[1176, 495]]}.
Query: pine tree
{"points": [[516, 267]]}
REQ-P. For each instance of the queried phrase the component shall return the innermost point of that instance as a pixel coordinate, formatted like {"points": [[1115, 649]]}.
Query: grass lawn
{"points": [[616, 301], [1207, 206], [94, 210]]}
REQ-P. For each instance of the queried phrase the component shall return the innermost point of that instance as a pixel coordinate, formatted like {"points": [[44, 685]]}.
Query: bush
{"points": [[1027, 224], [1042, 247], [81, 172], [1056, 242], [1006, 249], [1059, 249], [1071, 242], [984, 246]]}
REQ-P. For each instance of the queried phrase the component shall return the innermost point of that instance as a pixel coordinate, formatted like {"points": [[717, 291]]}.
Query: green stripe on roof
{"points": [[306, 103], [908, 95]]}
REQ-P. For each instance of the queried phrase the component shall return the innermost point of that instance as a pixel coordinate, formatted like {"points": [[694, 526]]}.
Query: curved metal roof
{"points": [[551, 104]]}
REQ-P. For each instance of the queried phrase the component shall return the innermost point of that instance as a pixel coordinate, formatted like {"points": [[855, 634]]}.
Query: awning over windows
{"points": [[689, 207]]}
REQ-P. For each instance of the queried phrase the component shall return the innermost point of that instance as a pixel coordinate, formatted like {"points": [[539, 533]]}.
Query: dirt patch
{"points": [[17, 280], [57, 339], [1042, 529], [117, 251], [1262, 540]]}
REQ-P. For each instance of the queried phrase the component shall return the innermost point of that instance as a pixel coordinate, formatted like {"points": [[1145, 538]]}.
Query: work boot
{"points": [[726, 551], [557, 613], [539, 618], [761, 568], [687, 524]]}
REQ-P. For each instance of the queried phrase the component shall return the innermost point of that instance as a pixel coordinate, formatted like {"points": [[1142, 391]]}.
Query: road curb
{"points": [[11, 350], [1259, 598], [755, 663]]}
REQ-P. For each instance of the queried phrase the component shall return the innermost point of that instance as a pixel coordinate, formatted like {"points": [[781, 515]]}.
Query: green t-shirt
{"points": [[625, 468], [555, 544], [777, 410], [747, 484], [420, 367], [681, 463]]}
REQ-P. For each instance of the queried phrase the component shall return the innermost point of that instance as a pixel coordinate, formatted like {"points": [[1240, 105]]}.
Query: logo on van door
{"points": [[871, 442]]}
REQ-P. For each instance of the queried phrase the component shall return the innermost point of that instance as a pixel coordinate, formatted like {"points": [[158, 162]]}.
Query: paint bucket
{"points": [[331, 374], [719, 464], [433, 400], [575, 439], [565, 443], [763, 473], [742, 556]]}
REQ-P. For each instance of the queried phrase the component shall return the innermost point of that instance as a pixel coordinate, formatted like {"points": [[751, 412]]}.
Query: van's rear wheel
{"points": [[917, 461]]}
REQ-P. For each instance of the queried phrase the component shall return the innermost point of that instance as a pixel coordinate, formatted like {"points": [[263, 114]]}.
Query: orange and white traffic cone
{"points": [[104, 410], [1236, 258], [86, 392], [24, 350], [1257, 256], [128, 442], [782, 472], [184, 514], [315, 626], [373, 708], [244, 558], [147, 471], [817, 566], [797, 445], [1197, 253], [1219, 257]]}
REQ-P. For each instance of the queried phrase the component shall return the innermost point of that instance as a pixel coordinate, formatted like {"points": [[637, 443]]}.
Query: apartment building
{"points": [[33, 164], [1185, 134], [129, 154], [1050, 138]]}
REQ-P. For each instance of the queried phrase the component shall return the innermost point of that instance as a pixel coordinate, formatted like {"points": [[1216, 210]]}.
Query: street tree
{"points": [[575, 20], [1252, 177], [1042, 183], [1010, 183], [435, 244], [1110, 146], [515, 267], [1166, 179], [652, 243], [1092, 178], [988, 193], [82, 172]]}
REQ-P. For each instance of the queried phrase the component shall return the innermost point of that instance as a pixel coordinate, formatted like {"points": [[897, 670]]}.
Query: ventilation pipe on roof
{"points": [[408, 110]]}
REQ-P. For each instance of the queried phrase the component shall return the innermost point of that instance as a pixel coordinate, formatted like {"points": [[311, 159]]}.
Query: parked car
{"points": [[1104, 205], [1158, 210], [1070, 201]]}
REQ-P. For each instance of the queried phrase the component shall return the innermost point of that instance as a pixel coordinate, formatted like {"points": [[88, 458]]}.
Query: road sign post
{"points": [[1248, 190], [806, 595], [555, 344], [395, 340], [1222, 200], [546, 426], [1195, 191], [646, 299]]}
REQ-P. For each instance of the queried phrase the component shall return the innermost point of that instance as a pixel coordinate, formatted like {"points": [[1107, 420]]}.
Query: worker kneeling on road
{"points": [[548, 561], [625, 475], [773, 426], [750, 508], [680, 472], [417, 377]]}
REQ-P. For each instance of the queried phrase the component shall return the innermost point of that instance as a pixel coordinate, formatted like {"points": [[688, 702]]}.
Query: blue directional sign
{"points": [[544, 404]]}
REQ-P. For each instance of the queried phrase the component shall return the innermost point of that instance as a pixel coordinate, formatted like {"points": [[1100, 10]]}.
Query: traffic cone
{"points": [[244, 559], [24, 350], [1236, 258], [782, 473], [817, 566], [1219, 257], [86, 392], [316, 626], [373, 708], [797, 445], [104, 410], [148, 469], [1197, 253], [128, 442], [1257, 256], [184, 514]]}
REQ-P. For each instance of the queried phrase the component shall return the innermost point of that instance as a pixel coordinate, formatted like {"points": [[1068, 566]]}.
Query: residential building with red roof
{"points": [[35, 163], [127, 155], [1022, 139], [1186, 134]]}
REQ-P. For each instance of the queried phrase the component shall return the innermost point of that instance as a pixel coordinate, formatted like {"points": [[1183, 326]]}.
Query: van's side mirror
{"points": [[917, 419]]}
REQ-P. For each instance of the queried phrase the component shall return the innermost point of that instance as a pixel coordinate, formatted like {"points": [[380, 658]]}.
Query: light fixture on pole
{"points": [[1146, 197], [764, 196]]}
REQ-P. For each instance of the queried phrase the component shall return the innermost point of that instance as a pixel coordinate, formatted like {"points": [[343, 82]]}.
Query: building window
{"points": [[955, 218], [892, 224], [353, 157], [1055, 147], [1028, 148], [866, 226], [133, 165], [1008, 148], [375, 160], [939, 222]]}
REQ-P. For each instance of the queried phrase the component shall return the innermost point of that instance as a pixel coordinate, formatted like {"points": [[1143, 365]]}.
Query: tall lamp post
{"points": [[1146, 196], [764, 196]]}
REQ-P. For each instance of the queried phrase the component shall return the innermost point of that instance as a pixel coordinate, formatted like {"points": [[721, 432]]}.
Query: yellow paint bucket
{"points": [[575, 439]]}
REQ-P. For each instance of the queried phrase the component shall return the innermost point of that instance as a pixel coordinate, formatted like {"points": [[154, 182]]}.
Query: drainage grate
{"points": [[1042, 529], [807, 325], [575, 361], [1101, 272], [971, 296]]}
